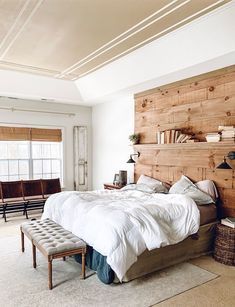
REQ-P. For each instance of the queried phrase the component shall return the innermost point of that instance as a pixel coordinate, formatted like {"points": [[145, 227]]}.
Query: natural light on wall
{"points": [[31, 158]]}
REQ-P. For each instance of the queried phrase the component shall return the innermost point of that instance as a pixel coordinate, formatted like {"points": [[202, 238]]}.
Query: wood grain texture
{"points": [[197, 105]]}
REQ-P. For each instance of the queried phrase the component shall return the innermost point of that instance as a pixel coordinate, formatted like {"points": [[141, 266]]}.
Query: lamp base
{"points": [[122, 178]]}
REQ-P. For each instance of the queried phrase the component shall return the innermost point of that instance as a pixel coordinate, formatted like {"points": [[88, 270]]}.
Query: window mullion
{"points": [[30, 161], [18, 164]]}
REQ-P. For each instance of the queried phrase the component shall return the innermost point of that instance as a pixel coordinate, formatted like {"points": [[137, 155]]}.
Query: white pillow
{"points": [[139, 187], [208, 187], [186, 187], [157, 185]]}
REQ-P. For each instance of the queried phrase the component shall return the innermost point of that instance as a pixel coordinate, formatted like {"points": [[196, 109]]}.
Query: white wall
{"points": [[35, 87], [82, 117], [112, 123]]}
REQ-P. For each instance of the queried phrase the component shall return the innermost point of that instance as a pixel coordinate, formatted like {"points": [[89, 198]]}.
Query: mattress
{"points": [[208, 214]]}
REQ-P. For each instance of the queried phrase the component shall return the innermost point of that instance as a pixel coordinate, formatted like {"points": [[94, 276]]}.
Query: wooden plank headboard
{"points": [[197, 105]]}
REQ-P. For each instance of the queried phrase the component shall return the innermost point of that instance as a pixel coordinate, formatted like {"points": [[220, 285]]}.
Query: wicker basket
{"points": [[225, 245]]}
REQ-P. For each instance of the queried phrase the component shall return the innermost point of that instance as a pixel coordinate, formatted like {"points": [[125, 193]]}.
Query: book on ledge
{"points": [[228, 221]]}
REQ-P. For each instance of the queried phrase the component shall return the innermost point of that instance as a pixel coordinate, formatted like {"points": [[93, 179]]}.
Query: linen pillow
{"points": [[157, 185], [208, 187], [186, 187], [139, 187]]}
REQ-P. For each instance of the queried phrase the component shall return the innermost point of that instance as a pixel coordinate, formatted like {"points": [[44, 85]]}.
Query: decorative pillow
{"points": [[157, 185], [139, 187], [186, 187], [208, 187]]}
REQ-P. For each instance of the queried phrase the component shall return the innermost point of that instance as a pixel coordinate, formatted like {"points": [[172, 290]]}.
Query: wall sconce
{"points": [[131, 159], [224, 164]]}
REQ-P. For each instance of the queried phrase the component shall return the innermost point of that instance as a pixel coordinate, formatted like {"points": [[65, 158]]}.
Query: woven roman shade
{"points": [[46, 135], [14, 134], [30, 134]]}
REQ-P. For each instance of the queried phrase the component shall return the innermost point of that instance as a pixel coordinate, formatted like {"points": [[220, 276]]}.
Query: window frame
{"points": [[51, 159], [30, 158]]}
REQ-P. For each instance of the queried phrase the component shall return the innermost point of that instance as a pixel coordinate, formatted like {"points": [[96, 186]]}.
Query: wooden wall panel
{"points": [[197, 105]]}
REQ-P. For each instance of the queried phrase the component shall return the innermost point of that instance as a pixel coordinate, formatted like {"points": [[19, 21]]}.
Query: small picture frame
{"points": [[116, 179]]}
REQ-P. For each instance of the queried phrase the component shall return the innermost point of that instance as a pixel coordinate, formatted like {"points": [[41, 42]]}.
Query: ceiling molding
{"points": [[165, 31], [27, 68], [121, 37], [12, 28], [109, 46], [54, 38], [16, 35]]}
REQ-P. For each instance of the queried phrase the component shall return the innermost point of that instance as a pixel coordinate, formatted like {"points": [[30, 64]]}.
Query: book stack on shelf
{"points": [[227, 134], [228, 221], [174, 136], [213, 137]]}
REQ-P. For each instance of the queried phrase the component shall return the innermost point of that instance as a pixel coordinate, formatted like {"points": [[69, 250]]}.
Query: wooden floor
{"points": [[219, 292]]}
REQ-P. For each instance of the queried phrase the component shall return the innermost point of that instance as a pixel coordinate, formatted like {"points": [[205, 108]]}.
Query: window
{"points": [[47, 162], [14, 160], [30, 160]]}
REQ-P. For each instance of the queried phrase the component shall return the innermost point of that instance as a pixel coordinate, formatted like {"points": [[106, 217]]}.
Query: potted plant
{"points": [[134, 138]]}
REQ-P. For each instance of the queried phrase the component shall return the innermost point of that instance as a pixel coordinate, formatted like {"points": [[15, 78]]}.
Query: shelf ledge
{"points": [[196, 145]]}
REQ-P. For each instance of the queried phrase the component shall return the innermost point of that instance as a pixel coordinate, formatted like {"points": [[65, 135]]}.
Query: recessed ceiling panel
{"points": [[70, 38]]}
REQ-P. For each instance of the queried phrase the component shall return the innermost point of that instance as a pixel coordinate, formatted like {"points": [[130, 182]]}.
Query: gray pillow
{"points": [[157, 185], [139, 187], [186, 187]]}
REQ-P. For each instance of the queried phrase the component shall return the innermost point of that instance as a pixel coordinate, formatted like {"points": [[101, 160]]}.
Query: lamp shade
{"points": [[130, 160], [224, 165]]}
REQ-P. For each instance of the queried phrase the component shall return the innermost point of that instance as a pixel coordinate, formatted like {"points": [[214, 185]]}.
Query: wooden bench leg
{"points": [[83, 265], [34, 256], [22, 241], [64, 258], [25, 211], [50, 273], [4, 213], [26, 214]]}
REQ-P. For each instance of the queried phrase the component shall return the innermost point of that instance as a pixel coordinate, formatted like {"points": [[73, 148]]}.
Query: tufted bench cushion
{"points": [[51, 237], [53, 241]]}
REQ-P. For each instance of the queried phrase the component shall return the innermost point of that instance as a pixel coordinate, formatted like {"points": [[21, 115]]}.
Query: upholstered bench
{"points": [[53, 241]]}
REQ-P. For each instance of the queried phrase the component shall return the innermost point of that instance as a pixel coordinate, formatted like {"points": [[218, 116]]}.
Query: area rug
{"points": [[21, 285]]}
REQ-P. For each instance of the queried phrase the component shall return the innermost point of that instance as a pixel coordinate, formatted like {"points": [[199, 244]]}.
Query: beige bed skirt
{"points": [[159, 258]]}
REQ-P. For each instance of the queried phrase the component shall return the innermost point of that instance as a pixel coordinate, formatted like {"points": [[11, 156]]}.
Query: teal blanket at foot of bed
{"points": [[97, 262]]}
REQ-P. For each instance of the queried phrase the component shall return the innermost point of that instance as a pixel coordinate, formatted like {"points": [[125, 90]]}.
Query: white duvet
{"points": [[122, 224]]}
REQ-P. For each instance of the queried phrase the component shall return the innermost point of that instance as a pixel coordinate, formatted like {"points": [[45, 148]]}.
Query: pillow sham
{"points": [[186, 187], [139, 187], [157, 185], [208, 187]]}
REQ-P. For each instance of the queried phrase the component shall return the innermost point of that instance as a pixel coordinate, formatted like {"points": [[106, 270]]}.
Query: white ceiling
{"points": [[68, 39], [204, 44]]}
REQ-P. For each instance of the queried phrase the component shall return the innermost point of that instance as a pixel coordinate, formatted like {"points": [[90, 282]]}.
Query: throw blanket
{"points": [[122, 224]]}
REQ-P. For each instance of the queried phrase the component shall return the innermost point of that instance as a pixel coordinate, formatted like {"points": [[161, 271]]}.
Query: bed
{"points": [[192, 247], [133, 231]]}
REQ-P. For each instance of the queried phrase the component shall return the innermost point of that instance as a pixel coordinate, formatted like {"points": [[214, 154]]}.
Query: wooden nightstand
{"points": [[111, 186], [224, 245]]}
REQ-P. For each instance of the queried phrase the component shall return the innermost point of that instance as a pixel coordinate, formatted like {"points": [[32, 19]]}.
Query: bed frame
{"points": [[194, 246]]}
